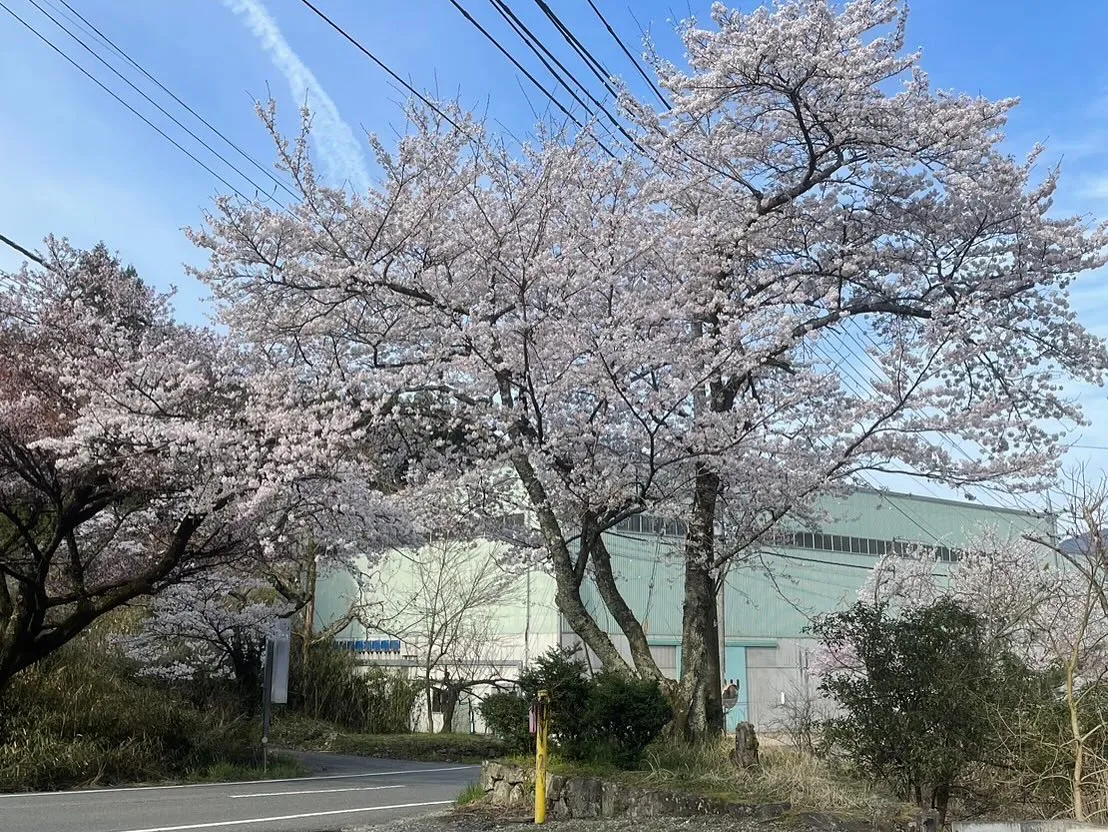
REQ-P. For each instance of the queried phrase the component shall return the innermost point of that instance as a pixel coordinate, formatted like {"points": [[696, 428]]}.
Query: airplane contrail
{"points": [[338, 148]]}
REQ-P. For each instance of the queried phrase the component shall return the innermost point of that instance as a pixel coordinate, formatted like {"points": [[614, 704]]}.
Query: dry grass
{"points": [[807, 783], [810, 785]]}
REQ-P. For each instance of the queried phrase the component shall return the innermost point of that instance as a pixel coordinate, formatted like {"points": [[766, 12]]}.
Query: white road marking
{"points": [[319, 791], [237, 782], [275, 818]]}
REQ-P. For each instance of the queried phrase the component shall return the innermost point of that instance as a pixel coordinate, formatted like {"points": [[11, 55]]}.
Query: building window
{"points": [[809, 540], [436, 700]]}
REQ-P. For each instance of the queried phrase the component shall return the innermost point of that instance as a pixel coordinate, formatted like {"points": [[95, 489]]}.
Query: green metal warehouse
{"points": [[767, 602]]}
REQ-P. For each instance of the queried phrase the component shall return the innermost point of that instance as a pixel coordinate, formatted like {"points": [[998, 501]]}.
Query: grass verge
{"points": [[808, 784], [82, 718], [473, 793], [281, 766], [290, 731]]}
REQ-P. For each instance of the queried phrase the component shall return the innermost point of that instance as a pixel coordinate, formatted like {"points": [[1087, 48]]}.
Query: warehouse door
{"points": [[734, 674]]}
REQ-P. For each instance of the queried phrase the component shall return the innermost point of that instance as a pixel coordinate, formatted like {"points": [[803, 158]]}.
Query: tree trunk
{"points": [[699, 713], [621, 612], [567, 578], [429, 691], [940, 802], [449, 703]]}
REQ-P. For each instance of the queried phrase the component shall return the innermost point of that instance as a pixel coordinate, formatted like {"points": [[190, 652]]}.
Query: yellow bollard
{"points": [[542, 734]]}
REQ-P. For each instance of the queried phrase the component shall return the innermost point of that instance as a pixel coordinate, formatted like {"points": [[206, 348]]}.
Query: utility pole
{"points": [[527, 622]]}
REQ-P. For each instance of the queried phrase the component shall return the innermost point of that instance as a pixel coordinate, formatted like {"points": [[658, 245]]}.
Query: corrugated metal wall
{"points": [[771, 597]]}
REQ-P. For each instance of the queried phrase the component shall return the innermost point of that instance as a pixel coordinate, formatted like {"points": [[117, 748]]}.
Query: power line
{"points": [[631, 57], [524, 70], [114, 95], [535, 44], [590, 60], [10, 243], [383, 65], [819, 562], [160, 108], [112, 45], [845, 364], [1014, 498]]}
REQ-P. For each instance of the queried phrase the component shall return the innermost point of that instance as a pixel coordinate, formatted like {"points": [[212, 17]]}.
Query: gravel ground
{"points": [[485, 820]]}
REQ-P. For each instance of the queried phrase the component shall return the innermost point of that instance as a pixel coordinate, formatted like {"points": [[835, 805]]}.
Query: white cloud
{"points": [[339, 150]]}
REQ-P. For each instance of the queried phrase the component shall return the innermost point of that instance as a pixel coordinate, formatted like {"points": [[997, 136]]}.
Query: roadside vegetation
{"points": [[83, 718], [473, 793], [644, 753], [293, 731], [87, 716]]}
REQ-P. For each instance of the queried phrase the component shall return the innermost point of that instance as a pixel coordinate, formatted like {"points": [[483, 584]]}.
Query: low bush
{"points": [[565, 678], [605, 719], [82, 718], [506, 715], [622, 717]]}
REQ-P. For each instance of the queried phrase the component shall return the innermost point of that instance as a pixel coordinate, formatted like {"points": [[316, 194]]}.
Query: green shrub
{"points": [[565, 678], [606, 719], [918, 709], [506, 715], [622, 717], [329, 685]]}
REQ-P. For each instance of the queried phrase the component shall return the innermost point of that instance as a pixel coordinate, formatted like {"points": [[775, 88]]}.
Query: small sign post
{"points": [[275, 681]]}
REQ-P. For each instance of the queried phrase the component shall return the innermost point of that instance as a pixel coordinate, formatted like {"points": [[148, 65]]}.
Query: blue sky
{"points": [[74, 162]]}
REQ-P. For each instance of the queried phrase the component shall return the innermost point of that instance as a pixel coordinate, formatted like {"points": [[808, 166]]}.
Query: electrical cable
{"points": [[535, 44], [357, 44], [535, 81], [150, 100], [10, 243], [123, 54], [114, 95], [631, 57]]}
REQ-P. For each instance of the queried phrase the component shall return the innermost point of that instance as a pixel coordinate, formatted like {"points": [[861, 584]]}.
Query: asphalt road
{"points": [[347, 791]]}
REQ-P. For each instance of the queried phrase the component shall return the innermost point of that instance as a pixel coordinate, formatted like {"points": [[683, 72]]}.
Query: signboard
{"points": [[279, 655]]}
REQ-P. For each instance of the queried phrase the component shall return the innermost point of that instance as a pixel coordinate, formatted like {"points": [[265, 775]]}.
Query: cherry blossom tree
{"points": [[654, 333], [135, 452], [213, 626]]}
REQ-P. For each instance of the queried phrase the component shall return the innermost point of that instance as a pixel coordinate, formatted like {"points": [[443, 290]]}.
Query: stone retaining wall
{"points": [[592, 797]]}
